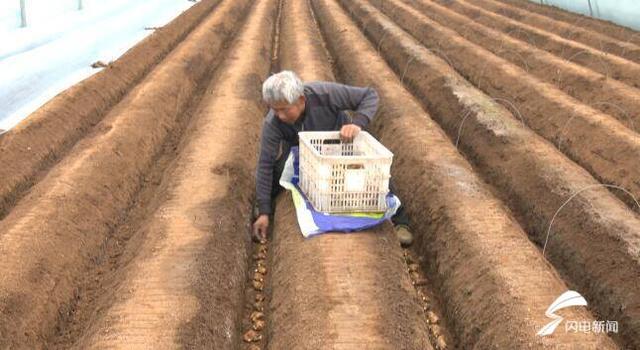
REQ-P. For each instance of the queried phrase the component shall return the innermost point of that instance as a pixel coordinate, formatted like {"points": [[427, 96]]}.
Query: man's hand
{"points": [[260, 227], [349, 132]]}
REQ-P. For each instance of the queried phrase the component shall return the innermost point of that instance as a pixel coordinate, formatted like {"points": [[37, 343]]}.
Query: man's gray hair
{"points": [[283, 86]]}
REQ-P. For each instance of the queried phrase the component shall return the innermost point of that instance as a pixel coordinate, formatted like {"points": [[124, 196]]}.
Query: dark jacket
{"points": [[324, 111]]}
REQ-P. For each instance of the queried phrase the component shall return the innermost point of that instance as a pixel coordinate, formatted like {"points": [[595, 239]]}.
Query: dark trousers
{"points": [[400, 218]]}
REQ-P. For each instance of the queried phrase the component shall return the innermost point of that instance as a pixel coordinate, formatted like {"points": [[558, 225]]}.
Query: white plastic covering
{"points": [[622, 12], [57, 47]]}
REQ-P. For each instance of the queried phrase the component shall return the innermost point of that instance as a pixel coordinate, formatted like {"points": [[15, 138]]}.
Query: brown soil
{"points": [[449, 203], [124, 219], [611, 29], [592, 38], [338, 291], [47, 241], [335, 291], [300, 31], [530, 175], [608, 95], [577, 130], [185, 285], [566, 50], [31, 148]]}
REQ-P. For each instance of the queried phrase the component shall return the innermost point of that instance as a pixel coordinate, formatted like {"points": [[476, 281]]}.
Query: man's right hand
{"points": [[260, 227]]}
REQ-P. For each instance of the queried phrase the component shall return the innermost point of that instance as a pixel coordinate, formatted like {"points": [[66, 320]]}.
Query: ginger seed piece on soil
{"points": [[254, 347], [261, 269], [256, 315], [261, 256], [259, 297], [258, 325], [435, 329], [414, 267], [421, 282], [441, 343], [258, 306], [258, 277], [252, 336], [257, 285], [425, 298], [433, 318]]}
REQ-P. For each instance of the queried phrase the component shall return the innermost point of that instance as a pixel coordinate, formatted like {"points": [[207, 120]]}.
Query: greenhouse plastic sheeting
{"points": [[623, 12], [60, 43]]}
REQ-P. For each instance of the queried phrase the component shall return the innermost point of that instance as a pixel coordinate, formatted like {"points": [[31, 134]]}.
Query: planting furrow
{"points": [[48, 240], [595, 238], [596, 141], [256, 297], [302, 49], [566, 50], [589, 38], [338, 291], [493, 297], [596, 59], [575, 19], [609, 96], [185, 286], [30, 149]]}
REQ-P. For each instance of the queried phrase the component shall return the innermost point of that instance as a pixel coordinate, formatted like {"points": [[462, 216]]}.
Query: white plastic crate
{"points": [[342, 177]]}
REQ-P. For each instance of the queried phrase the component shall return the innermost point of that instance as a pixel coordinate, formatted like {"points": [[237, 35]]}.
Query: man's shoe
{"points": [[404, 235]]}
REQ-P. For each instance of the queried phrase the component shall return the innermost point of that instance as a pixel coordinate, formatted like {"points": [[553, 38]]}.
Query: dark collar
{"points": [[304, 112]]}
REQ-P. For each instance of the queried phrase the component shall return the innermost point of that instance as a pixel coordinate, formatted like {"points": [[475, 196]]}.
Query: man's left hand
{"points": [[349, 132]]}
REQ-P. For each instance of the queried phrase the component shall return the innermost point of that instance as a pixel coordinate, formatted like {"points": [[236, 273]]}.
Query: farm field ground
{"points": [[61, 45], [125, 201]]}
